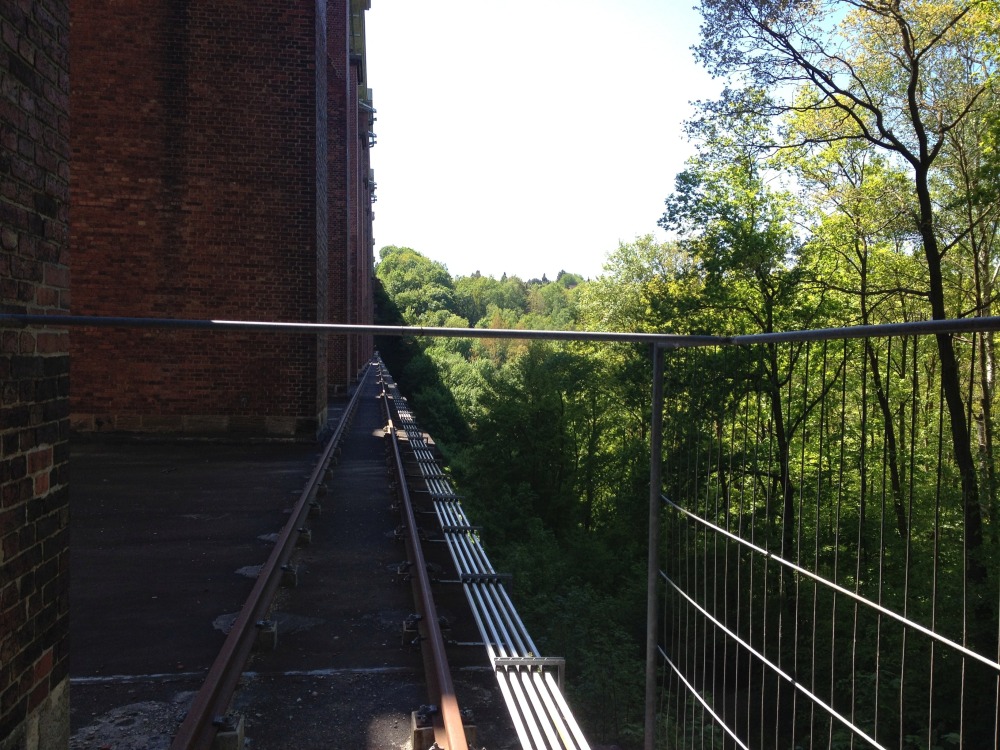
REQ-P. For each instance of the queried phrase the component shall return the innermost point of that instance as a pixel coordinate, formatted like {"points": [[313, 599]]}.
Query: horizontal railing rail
{"points": [[669, 340]]}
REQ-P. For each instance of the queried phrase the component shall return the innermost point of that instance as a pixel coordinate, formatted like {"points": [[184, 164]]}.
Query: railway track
{"points": [[209, 711], [530, 685]]}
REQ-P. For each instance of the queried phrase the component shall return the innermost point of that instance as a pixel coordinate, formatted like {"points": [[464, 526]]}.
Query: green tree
{"points": [[879, 68], [420, 287], [642, 288], [740, 232], [860, 250]]}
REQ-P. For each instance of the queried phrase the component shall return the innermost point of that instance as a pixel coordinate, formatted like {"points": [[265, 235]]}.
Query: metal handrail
{"points": [[670, 340]]}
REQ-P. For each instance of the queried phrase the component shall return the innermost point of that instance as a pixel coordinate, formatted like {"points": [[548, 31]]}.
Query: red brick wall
{"points": [[363, 262], [350, 194], [34, 425], [322, 201], [341, 91], [199, 191], [357, 135]]}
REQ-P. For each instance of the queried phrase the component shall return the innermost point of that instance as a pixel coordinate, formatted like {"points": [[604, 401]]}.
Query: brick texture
{"points": [[339, 92], [202, 188], [351, 194], [34, 368]]}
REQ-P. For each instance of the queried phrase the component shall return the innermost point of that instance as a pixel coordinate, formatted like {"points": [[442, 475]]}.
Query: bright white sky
{"points": [[528, 137]]}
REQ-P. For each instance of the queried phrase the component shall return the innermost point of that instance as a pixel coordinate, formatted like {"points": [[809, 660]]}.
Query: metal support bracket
{"points": [[533, 662]]}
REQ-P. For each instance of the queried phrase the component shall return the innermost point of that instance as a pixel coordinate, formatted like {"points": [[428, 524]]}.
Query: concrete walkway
{"points": [[166, 540]]}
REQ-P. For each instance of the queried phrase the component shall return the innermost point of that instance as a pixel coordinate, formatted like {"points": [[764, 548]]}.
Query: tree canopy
{"points": [[849, 174]]}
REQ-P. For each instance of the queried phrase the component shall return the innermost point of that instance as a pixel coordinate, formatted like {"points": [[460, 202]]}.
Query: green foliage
{"points": [[475, 295], [420, 288], [847, 175], [550, 450]]}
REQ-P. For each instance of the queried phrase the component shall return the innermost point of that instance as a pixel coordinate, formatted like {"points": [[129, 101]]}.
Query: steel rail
{"points": [[439, 679], [198, 729]]}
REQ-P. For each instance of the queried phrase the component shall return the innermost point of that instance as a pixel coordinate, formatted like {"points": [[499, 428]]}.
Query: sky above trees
{"points": [[528, 141]]}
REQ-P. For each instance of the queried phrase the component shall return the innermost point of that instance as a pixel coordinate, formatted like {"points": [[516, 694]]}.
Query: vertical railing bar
{"points": [[753, 540], [698, 582], [768, 526], [798, 525], [816, 538], [729, 713], [692, 544], [681, 554], [836, 535], [678, 555], [742, 405], [915, 418], [965, 561], [996, 704], [937, 553], [707, 574], [655, 480], [909, 533], [719, 484], [861, 544], [690, 547], [703, 491], [690, 562], [886, 385], [671, 619], [743, 502]]}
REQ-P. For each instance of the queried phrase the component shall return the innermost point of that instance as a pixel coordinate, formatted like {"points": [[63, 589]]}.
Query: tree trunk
{"points": [[975, 568]]}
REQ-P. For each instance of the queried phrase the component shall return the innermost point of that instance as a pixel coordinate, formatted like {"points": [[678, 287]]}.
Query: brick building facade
{"points": [[352, 191], [218, 168], [34, 376], [220, 154]]}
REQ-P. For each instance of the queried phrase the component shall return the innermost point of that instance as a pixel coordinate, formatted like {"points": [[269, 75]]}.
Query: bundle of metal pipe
{"points": [[531, 685]]}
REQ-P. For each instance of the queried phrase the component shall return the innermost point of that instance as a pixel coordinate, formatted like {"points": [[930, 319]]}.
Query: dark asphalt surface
{"points": [[165, 542]]}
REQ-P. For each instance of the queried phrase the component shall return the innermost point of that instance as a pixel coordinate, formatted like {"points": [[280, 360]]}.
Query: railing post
{"points": [[653, 567]]}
